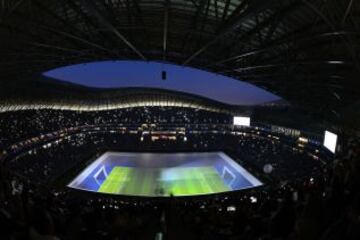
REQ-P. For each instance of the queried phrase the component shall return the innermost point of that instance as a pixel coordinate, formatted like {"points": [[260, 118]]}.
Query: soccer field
{"points": [[163, 174], [154, 181]]}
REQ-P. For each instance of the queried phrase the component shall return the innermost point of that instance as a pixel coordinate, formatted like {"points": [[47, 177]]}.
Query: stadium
{"points": [[179, 119]]}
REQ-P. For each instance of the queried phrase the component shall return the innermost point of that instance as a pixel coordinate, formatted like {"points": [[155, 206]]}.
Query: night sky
{"points": [[118, 74]]}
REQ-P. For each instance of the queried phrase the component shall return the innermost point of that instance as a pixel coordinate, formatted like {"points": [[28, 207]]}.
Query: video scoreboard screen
{"points": [[330, 141], [242, 121]]}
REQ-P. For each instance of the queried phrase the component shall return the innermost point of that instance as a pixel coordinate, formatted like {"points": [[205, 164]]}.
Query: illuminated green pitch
{"points": [[180, 181]]}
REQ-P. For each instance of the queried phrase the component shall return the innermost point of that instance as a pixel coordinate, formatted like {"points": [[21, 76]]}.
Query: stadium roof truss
{"points": [[305, 51]]}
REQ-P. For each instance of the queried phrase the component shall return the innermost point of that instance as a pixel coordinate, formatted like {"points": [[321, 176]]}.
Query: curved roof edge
{"points": [[112, 106], [65, 96]]}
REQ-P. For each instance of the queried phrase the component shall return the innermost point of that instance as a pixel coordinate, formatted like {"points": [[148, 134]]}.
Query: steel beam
{"points": [[256, 7], [165, 31], [89, 4]]}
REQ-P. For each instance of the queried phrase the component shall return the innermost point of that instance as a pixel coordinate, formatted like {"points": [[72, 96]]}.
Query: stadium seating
{"points": [[304, 181]]}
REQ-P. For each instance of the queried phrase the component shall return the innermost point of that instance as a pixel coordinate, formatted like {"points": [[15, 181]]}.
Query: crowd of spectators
{"points": [[47, 161], [304, 197], [16, 126]]}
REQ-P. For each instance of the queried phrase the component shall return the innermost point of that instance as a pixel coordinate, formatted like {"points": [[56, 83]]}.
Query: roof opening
{"points": [[122, 74]]}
